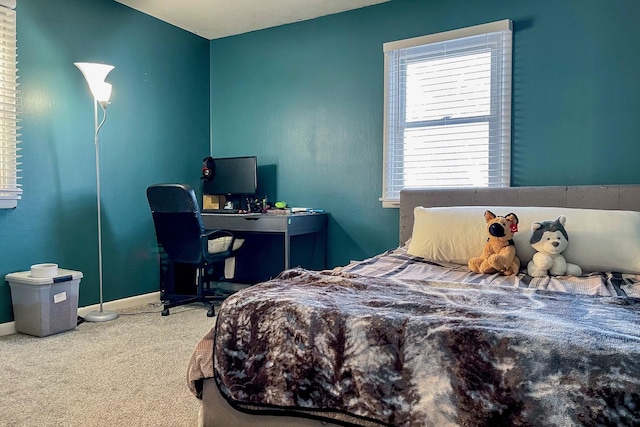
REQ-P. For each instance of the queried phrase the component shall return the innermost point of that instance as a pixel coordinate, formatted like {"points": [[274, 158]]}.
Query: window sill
{"points": [[8, 204], [390, 203]]}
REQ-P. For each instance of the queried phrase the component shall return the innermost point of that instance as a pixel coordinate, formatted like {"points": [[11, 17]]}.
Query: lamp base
{"points": [[101, 316]]}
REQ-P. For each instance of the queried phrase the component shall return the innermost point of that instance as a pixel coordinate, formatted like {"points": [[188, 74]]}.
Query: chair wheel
{"points": [[165, 312], [211, 312]]}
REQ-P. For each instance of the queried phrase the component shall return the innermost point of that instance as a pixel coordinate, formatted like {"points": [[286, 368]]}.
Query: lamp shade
{"points": [[95, 74]]}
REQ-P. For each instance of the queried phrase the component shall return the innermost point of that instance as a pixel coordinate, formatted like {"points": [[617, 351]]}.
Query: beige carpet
{"points": [[127, 372]]}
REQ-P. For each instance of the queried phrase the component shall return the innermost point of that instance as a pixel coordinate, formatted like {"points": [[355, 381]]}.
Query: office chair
{"points": [[185, 245]]}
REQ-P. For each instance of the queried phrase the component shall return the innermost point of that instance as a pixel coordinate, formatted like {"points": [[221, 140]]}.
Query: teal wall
{"points": [[157, 130], [307, 99]]}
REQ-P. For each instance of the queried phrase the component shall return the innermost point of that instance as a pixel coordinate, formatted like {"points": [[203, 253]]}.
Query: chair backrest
{"points": [[178, 222]]}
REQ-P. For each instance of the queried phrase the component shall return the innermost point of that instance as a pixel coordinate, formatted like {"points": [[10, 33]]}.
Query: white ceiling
{"points": [[213, 19]]}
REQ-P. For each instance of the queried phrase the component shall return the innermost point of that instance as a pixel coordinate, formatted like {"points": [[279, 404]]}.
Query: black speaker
{"points": [[208, 168]]}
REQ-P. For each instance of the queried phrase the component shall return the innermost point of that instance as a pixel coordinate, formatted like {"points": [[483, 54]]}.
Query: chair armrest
{"points": [[214, 234]]}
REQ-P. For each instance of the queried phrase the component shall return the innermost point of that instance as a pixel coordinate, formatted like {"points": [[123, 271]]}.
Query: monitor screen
{"points": [[233, 175]]}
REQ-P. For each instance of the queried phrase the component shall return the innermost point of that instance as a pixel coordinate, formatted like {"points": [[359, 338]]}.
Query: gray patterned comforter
{"points": [[378, 342]]}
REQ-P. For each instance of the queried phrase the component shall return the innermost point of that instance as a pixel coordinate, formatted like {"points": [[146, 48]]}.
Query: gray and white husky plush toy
{"points": [[549, 239]]}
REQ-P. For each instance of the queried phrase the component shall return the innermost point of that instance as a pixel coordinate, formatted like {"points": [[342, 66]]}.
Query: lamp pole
{"points": [[95, 75]]}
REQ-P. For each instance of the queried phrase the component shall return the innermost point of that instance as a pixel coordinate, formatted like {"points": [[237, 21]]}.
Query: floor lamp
{"points": [[95, 74]]}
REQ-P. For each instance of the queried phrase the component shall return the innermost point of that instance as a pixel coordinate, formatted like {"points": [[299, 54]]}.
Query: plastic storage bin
{"points": [[45, 305]]}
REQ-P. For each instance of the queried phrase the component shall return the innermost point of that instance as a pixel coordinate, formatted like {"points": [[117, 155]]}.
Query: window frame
{"points": [[498, 124], [10, 191]]}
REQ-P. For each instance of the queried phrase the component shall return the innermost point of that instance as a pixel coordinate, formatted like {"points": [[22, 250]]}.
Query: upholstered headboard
{"points": [[622, 197]]}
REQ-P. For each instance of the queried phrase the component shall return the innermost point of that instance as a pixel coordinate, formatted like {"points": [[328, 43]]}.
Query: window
{"points": [[9, 188], [448, 110]]}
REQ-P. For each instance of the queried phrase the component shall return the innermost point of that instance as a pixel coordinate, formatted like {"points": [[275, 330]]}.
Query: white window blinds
{"points": [[10, 190], [448, 110]]}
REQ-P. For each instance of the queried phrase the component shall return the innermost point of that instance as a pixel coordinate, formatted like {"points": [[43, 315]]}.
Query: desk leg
{"points": [[323, 245], [287, 250]]}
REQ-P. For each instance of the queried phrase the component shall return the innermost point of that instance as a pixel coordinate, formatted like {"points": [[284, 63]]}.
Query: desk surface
{"points": [[261, 214]]}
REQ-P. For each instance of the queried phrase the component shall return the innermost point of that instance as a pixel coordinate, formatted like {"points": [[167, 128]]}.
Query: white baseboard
{"points": [[9, 328], [120, 304]]}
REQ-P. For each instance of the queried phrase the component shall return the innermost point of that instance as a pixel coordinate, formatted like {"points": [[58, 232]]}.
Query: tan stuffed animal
{"points": [[499, 254]]}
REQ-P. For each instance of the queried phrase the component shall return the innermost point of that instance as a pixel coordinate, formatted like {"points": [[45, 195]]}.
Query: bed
{"points": [[411, 337]]}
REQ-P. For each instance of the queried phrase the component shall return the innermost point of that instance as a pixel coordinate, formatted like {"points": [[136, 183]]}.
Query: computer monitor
{"points": [[233, 176]]}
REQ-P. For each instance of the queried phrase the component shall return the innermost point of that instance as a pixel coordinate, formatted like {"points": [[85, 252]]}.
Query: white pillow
{"points": [[221, 244], [599, 240]]}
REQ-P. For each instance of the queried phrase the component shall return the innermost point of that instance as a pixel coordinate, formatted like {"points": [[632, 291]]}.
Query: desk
{"points": [[288, 226]]}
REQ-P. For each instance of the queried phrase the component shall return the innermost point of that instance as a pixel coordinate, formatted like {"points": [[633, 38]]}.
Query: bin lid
{"points": [[25, 278]]}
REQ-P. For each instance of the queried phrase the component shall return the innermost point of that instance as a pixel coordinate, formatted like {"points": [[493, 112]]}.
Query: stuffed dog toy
{"points": [[499, 254], [550, 239]]}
